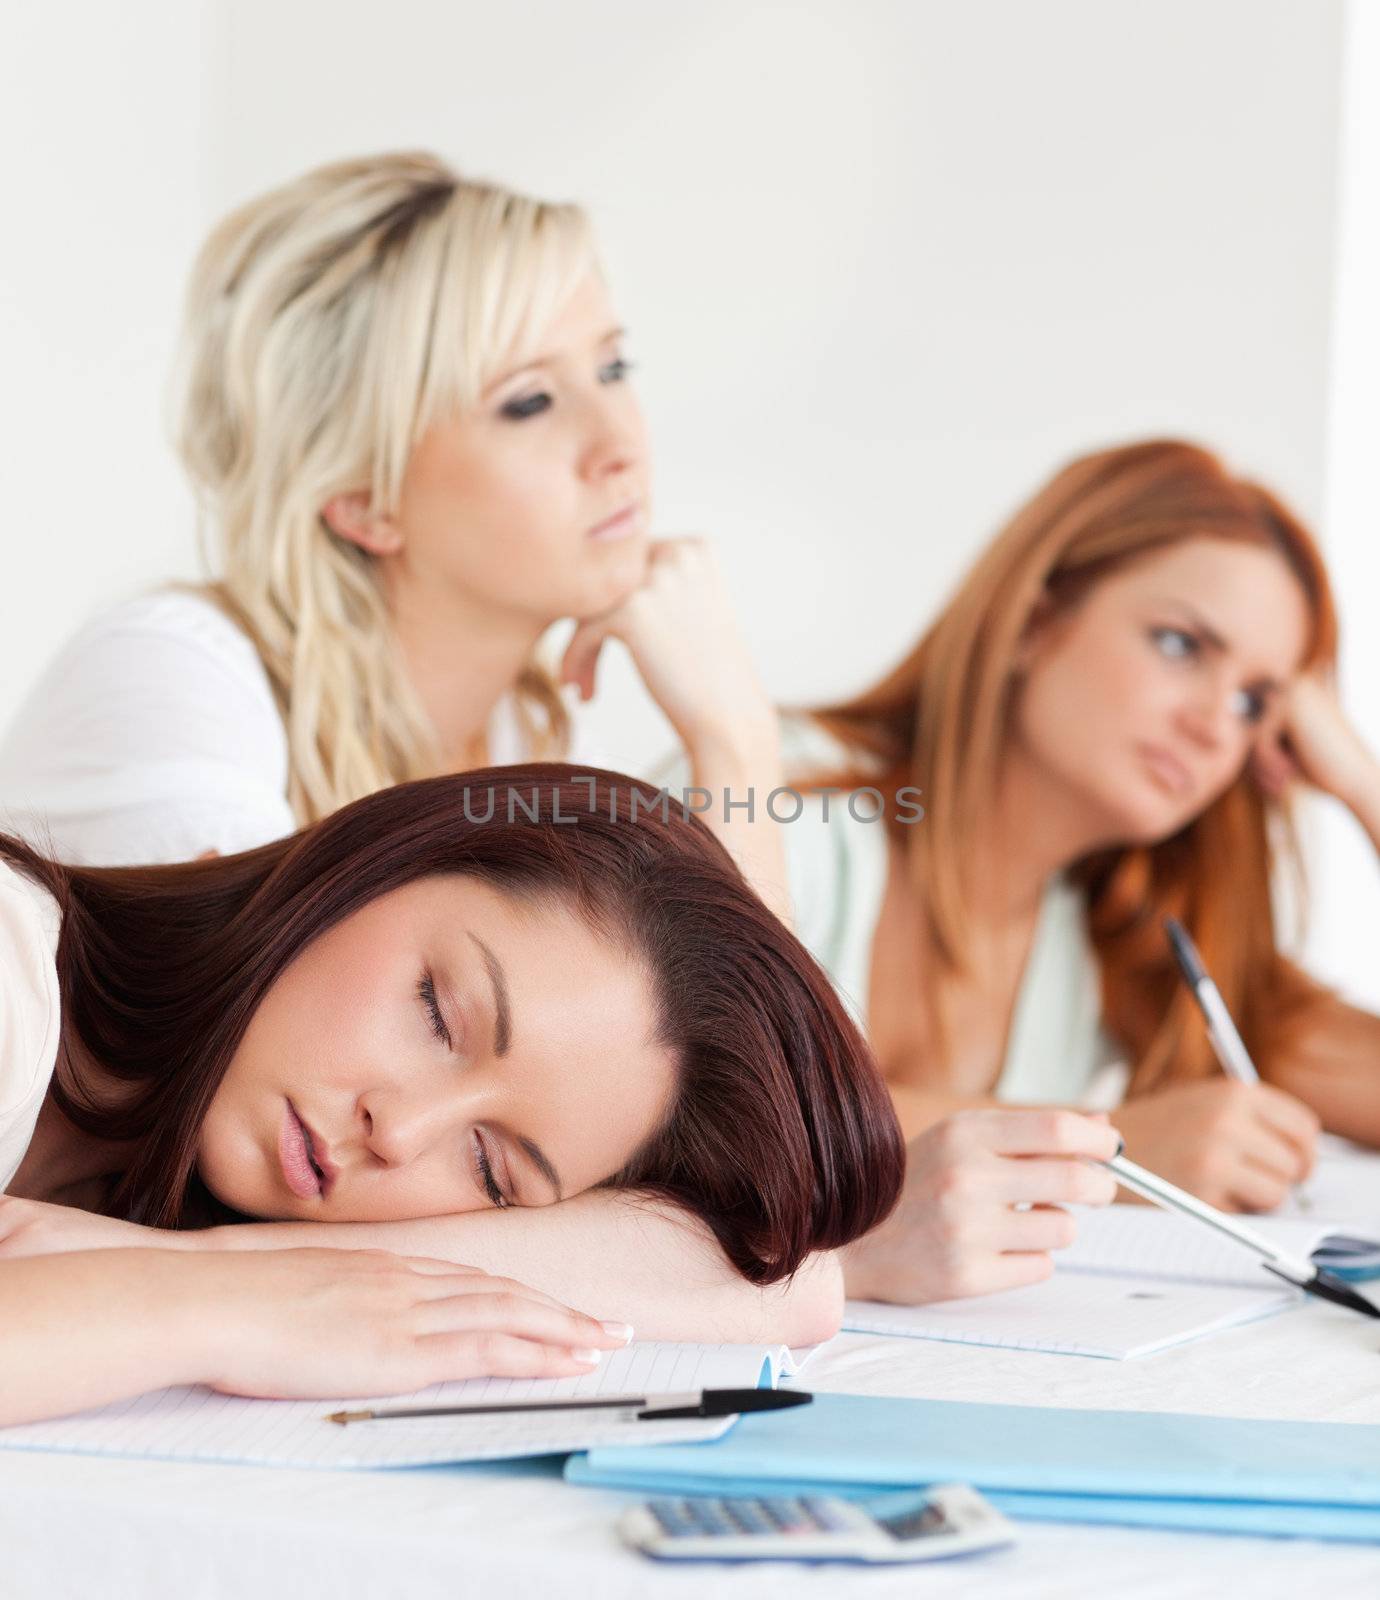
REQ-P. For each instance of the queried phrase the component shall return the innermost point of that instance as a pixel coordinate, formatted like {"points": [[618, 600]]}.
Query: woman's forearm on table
{"points": [[615, 1256], [84, 1328]]}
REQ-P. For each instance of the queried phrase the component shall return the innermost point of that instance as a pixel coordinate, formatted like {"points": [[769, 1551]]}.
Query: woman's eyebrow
{"points": [[1268, 682], [503, 1014], [548, 359], [539, 1160], [1209, 633]]}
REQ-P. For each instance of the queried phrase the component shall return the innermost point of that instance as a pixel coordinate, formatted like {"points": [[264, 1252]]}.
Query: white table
{"points": [[80, 1528]]}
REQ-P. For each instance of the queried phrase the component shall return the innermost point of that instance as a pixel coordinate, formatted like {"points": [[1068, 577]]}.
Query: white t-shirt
{"points": [[30, 1014], [154, 736]]}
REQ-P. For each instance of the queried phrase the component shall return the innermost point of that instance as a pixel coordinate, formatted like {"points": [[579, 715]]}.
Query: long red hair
{"points": [[940, 721]]}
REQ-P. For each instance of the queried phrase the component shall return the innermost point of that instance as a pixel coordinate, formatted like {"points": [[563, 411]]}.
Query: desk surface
{"points": [[80, 1528], [89, 1529]]}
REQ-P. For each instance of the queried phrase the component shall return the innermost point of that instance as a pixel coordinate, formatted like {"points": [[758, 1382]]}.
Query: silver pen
{"points": [[1303, 1274], [1227, 1044]]}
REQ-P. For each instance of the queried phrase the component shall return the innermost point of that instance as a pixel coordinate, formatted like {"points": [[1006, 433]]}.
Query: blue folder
{"points": [[1317, 1480]]}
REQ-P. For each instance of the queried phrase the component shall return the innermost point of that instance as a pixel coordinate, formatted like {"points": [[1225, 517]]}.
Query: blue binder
{"points": [[1156, 1469]]}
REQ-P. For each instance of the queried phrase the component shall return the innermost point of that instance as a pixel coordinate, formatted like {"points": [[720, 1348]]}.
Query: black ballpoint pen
{"points": [[645, 1408]]}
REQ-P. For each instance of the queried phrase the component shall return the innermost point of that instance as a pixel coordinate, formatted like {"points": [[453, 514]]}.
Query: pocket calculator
{"points": [[913, 1525]]}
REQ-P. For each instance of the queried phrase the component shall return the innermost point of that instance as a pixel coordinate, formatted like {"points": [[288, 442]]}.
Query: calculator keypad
{"points": [[718, 1519]]}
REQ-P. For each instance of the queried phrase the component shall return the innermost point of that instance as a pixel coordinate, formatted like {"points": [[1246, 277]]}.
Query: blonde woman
{"points": [[1105, 721], [406, 411]]}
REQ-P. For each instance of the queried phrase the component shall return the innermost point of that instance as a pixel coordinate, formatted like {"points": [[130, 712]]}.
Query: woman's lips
{"points": [[621, 525], [295, 1157], [1170, 772]]}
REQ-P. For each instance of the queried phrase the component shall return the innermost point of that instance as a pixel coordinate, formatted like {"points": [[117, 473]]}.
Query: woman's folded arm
{"points": [[615, 1255], [77, 1330], [86, 1327]]}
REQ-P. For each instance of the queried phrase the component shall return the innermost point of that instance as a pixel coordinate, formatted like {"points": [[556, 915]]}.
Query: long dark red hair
{"points": [[781, 1136]]}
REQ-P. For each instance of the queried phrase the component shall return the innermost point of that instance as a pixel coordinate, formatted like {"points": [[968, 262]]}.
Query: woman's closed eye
{"points": [[484, 1171], [426, 991], [615, 371]]}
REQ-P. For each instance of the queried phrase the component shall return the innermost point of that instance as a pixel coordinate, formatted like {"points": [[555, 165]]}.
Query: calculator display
{"points": [[924, 1522]]}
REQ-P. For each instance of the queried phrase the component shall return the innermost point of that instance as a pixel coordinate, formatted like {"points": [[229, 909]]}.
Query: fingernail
{"points": [[591, 1358], [618, 1330]]}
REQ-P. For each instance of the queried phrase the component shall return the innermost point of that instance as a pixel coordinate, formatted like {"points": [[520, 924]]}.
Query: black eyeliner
{"points": [[531, 405]]}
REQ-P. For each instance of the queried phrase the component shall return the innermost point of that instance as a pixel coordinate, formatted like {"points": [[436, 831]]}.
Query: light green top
{"points": [[1057, 1052]]}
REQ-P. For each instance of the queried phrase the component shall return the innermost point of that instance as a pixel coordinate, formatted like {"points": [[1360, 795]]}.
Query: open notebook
{"points": [[1151, 1243], [1136, 1281], [196, 1424]]}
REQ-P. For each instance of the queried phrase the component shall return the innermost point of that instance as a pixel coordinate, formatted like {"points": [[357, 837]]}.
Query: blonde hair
{"points": [[941, 721], [328, 324]]}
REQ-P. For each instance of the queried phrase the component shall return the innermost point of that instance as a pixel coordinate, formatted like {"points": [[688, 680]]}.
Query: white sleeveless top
{"points": [[30, 1014], [154, 736], [1057, 1051]]}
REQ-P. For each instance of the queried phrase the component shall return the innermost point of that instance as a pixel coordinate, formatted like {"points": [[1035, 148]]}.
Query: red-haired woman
{"points": [[1104, 720], [531, 1006]]}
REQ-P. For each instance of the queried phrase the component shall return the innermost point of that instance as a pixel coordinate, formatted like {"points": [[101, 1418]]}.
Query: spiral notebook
{"points": [[197, 1424]]}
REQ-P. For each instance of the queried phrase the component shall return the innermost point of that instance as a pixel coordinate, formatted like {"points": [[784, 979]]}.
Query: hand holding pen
{"points": [[1227, 1043]]}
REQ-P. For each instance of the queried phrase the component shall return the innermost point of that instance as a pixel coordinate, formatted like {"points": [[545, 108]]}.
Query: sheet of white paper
{"points": [[196, 1424], [1077, 1314], [1145, 1242], [1343, 1188], [1138, 1280]]}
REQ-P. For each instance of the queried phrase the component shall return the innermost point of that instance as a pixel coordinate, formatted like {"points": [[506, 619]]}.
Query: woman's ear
{"points": [[350, 517], [1033, 635]]}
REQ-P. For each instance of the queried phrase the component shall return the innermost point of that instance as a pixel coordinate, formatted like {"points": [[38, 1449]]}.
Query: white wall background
{"points": [[103, 200], [885, 263], [1345, 903]]}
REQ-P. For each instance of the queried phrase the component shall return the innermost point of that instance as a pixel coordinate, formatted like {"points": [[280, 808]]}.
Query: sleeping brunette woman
{"points": [[530, 987]]}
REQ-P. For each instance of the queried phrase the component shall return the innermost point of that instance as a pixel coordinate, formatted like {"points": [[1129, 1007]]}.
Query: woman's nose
{"points": [[617, 439], [1209, 717], [398, 1127]]}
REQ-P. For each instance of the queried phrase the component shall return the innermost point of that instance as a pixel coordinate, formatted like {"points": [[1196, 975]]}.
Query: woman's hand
{"points": [[1313, 740], [956, 1230], [36, 1228], [1239, 1146], [684, 639], [308, 1323], [85, 1328]]}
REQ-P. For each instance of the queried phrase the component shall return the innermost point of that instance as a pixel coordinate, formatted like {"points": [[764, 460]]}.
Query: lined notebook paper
{"points": [[1150, 1243], [1077, 1314], [1135, 1281], [196, 1424]]}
